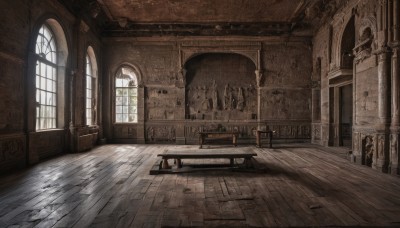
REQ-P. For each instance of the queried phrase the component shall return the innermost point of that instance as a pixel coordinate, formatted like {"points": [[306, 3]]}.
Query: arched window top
{"points": [[126, 77], [45, 44]]}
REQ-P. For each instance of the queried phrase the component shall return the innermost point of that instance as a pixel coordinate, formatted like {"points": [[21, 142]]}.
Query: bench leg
{"points": [[234, 140], [178, 163], [165, 164], [248, 163], [232, 161]]}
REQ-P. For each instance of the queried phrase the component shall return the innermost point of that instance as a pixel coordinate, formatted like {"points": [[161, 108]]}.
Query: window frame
{"points": [[39, 59], [92, 90], [135, 78]]}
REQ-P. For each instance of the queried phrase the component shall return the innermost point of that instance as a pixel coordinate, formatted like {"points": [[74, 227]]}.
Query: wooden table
{"points": [[269, 133], [230, 154], [218, 135]]}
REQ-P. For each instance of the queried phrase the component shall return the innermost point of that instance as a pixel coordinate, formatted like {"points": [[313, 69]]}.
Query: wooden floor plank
{"points": [[298, 185]]}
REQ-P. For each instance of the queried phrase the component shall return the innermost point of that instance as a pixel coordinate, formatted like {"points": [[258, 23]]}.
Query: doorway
{"points": [[345, 115]]}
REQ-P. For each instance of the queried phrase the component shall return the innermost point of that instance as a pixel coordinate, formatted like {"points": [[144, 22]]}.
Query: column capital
{"points": [[382, 50]]}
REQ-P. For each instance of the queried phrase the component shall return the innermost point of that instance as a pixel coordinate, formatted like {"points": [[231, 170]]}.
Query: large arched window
{"points": [[46, 79], [126, 96], [91, 85]]}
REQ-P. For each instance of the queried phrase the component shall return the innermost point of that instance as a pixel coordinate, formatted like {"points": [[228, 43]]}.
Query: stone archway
{"points": [[221, 87], [250, 51]]}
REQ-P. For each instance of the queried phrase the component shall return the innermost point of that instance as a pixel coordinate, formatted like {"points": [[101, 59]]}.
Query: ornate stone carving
{"points": [[366, 43], [316, 132], [394, 154], [156, 133], [368, 150]]}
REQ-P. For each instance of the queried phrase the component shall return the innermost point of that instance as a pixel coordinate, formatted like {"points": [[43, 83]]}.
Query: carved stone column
{"points": [[259, 75], [381, 158], [395, 128], [180, 137]]}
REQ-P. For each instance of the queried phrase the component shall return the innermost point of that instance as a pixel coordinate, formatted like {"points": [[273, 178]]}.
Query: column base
{"points": [[380, 166], [356, 159], [394, 169]]}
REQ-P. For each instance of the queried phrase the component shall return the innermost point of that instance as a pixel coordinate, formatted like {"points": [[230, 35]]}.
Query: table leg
{"points": [[232, 161], [201, 141], [258, 139], [234, 140], [270, 139]]}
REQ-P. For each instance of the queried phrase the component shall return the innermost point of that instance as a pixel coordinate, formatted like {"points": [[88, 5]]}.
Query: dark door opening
{"points": [[346, 116]]}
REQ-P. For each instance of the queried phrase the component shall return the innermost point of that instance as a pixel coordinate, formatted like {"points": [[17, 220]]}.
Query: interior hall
{"points": [[199, 113]]}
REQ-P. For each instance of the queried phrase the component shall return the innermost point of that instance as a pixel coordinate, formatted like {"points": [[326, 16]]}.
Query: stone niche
{"points": [[221, 86]]}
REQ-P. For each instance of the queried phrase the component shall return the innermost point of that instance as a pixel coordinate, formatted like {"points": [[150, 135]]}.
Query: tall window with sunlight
{"points": [[126, 96], [46, 79], [89, 92]]}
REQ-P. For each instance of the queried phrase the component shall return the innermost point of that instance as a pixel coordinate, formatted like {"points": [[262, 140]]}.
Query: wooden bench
{"points": [[179, 154], [269, 133], [203, 136]]}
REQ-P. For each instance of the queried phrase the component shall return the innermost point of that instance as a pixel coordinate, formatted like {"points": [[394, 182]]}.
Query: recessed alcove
{"points": [[221, 86]]}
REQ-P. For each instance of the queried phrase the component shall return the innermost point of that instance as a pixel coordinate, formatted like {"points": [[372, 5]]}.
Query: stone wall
{"points": [[373, 77], [195, 84], [20, 143]]}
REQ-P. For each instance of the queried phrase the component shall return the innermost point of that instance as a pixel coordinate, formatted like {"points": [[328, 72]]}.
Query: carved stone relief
{"points": [[160, 133], [366, 42], [394, 156], [216, 91], [316, 134], [368, 150]]}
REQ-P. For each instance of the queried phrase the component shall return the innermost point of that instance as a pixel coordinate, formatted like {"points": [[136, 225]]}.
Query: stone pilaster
{"points": [[394, 154], [395, 125]]}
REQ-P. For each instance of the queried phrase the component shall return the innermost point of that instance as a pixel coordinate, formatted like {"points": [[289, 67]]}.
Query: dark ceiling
{"points": [[206, 17]]}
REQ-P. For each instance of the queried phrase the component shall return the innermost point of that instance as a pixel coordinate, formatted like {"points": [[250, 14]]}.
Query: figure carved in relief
{"points": [[393, 147], [363, 48], [368, 150], [171, 134], [205, 104], [215, 96], [227, 97], [381, 146], [240, 100], [150, 133]]}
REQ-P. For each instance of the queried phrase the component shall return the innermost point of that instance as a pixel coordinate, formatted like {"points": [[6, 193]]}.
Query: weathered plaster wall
{"points": [[20, 144]]}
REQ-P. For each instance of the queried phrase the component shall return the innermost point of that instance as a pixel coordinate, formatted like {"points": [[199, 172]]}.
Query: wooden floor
{"points": [[110, 186]]}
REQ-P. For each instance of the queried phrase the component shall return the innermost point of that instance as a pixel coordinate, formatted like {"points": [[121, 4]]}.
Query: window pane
{"points": [[125, 117], [119, 92], [118, 118], [42, 83], [42, 97], [118, 109], [118, 101]]}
